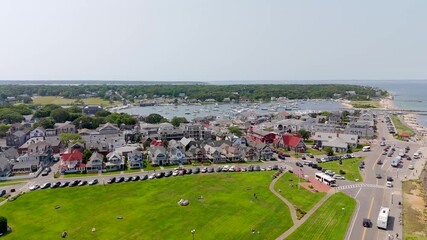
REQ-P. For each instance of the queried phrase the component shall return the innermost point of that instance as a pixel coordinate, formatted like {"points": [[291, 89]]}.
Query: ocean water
{"points": [[408, 94]]}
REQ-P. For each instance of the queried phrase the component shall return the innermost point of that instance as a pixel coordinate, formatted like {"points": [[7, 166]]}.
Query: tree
{"points": [[235, 130], [45, 123], [102, 113], [3, 129], [121, 118], [3, 225], [9, 116], [67, 137], [304, 133], [176, 121], [60, 115], [154, 118], [329, 151], [86, 155]]}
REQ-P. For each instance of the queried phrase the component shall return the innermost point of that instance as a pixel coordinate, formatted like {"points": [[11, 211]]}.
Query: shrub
{"points": [[3, 225], [310, 186], [342, 172]]}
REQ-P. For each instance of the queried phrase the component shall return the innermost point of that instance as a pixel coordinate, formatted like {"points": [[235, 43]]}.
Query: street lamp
{"points": [[193, 232]]}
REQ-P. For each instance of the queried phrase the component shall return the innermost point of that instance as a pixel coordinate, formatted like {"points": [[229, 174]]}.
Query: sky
{"points": [[217, 40]]}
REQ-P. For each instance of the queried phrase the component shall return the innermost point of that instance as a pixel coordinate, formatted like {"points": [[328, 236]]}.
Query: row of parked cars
{"points": [[63, 184], [334, 158]]}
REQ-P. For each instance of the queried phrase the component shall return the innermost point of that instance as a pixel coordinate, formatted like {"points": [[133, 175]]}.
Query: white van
{"points": [[366, 148]]}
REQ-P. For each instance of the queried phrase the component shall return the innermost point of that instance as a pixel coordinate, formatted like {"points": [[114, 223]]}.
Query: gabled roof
{"points": [[76, 155], [291, 140]]}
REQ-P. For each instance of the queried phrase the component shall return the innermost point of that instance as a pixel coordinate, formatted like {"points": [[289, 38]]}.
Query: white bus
{"points": [[383, 218], [326, 179]]}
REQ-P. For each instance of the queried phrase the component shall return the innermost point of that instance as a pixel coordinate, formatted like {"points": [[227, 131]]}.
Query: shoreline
{"points": [[409, 119]]}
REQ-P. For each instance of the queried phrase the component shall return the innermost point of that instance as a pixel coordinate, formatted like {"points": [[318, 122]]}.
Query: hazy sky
{"points": [[213, 40]]}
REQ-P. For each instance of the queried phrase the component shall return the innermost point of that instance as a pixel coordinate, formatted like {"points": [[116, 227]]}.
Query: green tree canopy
{"points": [[45, 123], [87, 153], [155, 118], [121, 118], [70, 137], [235, 130], [329, 151], [60, 115], [102, 113], [9, 116], [304, 133], [3, 129], [176, 121]]}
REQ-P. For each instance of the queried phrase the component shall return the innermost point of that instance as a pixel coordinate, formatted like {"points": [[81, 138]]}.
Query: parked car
{"points": [[218, 169], [299, 164], [175, 173], [311, 155], [136, 178], [408, 158], [55, 185], [145, 177], [411, 167], [93, 182], [303, 157], [389, 184], [275, 167], [189, 171], [120, 179], [210, 170], [46, 185], [64, 184], [250, 168], [82, 183], [378, 176], [281, 156], [168, 173], [367, 223], [319, 168], [74, 183], [204, 170], [34, 187], [390, 178], [196, 170], [2, 193], [111, 180], [257, 168], [160, 174], [338, 177]]}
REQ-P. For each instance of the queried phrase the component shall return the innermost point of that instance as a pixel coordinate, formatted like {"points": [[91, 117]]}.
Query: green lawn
{"points": [[301, 198], [12, 182], [401, 127], [350, 166], [315, 151], [149, 208], [329, 222], [73, 175], [366, 104], [43, 100]]}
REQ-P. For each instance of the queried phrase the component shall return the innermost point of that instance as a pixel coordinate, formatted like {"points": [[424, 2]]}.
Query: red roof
{"points": [[156, 143], [76, 155], [404, 134], [291, 140]]}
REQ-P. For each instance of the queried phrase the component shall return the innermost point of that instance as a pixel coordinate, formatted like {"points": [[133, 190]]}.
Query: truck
{"points": [[382, 221]]}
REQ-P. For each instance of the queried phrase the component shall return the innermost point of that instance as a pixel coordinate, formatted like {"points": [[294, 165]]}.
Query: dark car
{"points": [[314, 165], [281, 156], [210, 170], [257, 168], [119, 180], [303, 157], [55, 185], [319, 168], [111, 180], [83, 183], [160, 175], [74, 183], [318, 160], [367, 223], [378, 176], [46, 185], [275, 167], [250, 168], [136, 178], [286, 155], [218, 169], [379, 162], [2, 193], [408, 158], [168, 173], [189, 171], [128, 179], [390, 179], [299, 164], [64, 184], [93, 182], [196, 170], [145, 177]]}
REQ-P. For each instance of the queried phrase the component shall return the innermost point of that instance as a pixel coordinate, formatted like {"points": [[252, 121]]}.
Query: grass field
{"points": [[329, 222], [401, 127], [414, 212], [301, 198], [350, 166], [43, 100], [366, 104], [10, 183], [149, 208]]}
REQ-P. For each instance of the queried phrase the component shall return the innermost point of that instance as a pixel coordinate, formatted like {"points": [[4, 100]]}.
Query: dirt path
{"points": [[293, 211]]}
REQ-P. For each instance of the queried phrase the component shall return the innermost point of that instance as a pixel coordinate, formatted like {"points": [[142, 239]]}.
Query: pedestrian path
{"points": [[360, 185]]}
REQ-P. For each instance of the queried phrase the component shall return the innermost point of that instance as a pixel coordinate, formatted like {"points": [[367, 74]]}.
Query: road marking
{"points": [[354, 220], [382, 201], [369, 216], [358, 192]]}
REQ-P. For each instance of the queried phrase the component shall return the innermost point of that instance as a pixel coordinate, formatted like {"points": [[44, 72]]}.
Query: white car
{"points": [[34, 187], [204, 170], [389, 184], [411, 167], [338, 177]]}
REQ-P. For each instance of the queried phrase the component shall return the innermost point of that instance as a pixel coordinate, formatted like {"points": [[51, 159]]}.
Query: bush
{"points": [[3, 225], [310, 186], [342, 172]]}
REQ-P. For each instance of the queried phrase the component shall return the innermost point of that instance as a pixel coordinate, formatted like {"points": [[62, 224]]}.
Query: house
{"points": [[50, 132], [95, 162], [283, 115], [17, 138], [196, 153], [213, 154], [290, 125], [335, 118], [196, 131], [135, 159], [72, 162], [176, 155], [40, 144], [25, 167], [338, 142], [66, 127], [5, 167], [108, 128], [251, 153], [10, 153], [114, 161], [187, 143], [91, 109], [157, 156], [264, 151], [325, 128], [259, 135], [361, 129], [231, 153], [293, 143], [38, 132], [168, 132]]}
